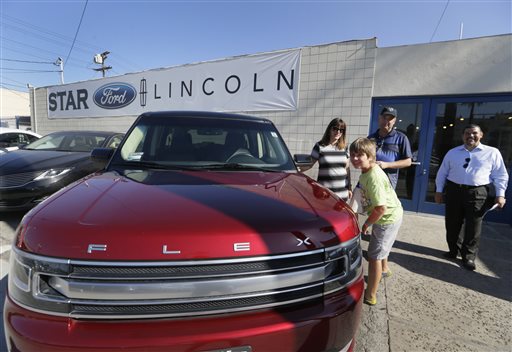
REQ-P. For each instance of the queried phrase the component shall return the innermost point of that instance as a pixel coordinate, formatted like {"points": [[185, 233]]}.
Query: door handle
{"points": [[416, 163]]}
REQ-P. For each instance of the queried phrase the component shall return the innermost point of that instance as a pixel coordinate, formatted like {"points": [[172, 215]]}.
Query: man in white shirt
{"points": [[465, 176]]}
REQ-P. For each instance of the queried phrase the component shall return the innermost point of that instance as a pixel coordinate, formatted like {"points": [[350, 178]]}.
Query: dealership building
{"points": [[437, 88]]}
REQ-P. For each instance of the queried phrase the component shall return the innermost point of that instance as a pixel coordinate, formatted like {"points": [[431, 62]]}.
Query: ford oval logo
{"points": [[114, 95]]}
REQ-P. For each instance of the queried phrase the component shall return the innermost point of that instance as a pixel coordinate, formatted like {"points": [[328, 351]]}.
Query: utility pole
{"points": [[59, 62], [100, 59]]}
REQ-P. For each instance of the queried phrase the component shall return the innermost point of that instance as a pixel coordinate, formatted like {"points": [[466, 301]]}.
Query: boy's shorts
{"points": [[382, 239]]}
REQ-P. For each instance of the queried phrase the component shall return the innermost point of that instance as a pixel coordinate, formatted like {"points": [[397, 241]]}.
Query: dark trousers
{"points": [[464, 206]]}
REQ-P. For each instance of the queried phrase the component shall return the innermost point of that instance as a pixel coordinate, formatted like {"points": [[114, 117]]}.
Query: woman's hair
{"points": [[366, 146], [342, 142]]}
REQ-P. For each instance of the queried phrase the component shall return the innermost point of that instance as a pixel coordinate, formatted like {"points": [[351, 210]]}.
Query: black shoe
{"points": [[469, 264], [450, 255]]}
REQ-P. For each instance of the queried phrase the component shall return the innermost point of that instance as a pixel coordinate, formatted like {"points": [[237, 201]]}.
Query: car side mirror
{"points": [[303, 161], [101, 155]]}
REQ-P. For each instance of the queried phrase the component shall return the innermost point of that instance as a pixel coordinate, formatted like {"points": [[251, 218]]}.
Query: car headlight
{"points": [[28, 282], [52, 173]]}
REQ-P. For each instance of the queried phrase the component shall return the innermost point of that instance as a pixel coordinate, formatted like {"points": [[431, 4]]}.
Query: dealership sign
{"points": [[262, 82]]}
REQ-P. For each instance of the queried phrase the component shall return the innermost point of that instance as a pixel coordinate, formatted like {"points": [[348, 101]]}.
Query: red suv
{"points": [[199, 235]]}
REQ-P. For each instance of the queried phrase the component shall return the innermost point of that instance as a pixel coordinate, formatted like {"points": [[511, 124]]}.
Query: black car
{"points": [[31, 174]]}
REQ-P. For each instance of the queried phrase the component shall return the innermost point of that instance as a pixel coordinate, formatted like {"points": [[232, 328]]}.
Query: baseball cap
{"points": [[388, 110]]}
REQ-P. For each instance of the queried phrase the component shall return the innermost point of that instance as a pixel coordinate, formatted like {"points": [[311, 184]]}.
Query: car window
{"points": [[115, 141], [9, 140], [202, 142], [69, 141], [48, 142], [31, 138]]}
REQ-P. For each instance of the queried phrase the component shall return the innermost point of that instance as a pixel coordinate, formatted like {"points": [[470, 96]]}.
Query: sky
{"points": [[142, 35]]}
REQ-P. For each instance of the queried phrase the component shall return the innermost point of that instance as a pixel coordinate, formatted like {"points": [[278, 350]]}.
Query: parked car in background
{"points": [[199, 235], [12, 139], [30, 174]]}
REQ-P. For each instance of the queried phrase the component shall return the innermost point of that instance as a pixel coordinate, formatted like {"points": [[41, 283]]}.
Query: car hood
{"points": [[19, 161], [177, 215]]}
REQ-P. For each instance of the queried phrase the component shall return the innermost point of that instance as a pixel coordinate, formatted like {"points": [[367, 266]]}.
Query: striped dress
{"points": [[332, 168]]}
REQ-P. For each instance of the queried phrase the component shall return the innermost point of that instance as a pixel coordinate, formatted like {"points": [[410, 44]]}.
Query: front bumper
{"points": [[327, 324]]}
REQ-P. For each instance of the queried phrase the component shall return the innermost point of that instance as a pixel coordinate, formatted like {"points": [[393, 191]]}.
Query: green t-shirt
{"points": [[376, 190]]}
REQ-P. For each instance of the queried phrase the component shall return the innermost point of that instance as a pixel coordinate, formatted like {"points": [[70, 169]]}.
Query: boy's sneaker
{"points": [[387, 274]]}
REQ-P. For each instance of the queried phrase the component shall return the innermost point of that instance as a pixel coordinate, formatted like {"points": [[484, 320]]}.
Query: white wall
{"points": [[469, 66], [13, 103]]}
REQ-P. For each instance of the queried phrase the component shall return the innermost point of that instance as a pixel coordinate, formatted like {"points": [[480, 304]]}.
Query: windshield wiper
{"points": [[234, 166], [152, 165]]}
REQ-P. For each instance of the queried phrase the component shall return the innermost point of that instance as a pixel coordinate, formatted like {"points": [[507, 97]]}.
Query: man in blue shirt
{"points": [[393, 147]]}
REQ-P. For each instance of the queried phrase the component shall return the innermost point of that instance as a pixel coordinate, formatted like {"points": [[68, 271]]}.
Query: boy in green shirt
{"points": [[384, 210]]}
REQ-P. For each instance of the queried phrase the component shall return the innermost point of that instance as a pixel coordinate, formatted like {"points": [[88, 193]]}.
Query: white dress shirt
{"points": [[485, 166]]}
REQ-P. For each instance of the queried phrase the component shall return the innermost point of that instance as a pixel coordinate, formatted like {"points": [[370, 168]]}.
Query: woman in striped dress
{"points": [[331, 152]]}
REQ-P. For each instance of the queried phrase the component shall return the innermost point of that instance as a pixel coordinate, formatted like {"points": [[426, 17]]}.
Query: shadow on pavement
{"points": [[493, 253], [492, 286], [12, 219]]}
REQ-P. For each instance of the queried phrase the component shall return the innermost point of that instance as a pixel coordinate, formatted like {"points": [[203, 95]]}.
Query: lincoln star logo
{"points": [[114, 95]]}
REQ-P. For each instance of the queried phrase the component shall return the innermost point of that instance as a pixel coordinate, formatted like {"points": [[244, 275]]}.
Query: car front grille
{"points": [[17, 180], [131, 290]]}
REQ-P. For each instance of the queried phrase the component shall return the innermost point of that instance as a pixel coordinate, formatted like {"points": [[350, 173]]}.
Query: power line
{"points": [[79, 45], [42, 33], [12, 80], [31, 62], [438, 22], [12, 85], [44, 30], [77, 30], [35, 47], [22, 70]]}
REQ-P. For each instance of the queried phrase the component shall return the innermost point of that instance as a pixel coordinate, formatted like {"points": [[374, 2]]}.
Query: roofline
{"points": [[205, 114]]}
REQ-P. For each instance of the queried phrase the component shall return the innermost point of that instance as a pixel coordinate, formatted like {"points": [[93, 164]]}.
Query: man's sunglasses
{"points": [[467, 162]]}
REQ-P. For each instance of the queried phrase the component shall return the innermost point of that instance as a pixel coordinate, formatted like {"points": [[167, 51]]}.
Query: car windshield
{"points": [[204, 143], [68, 142]]}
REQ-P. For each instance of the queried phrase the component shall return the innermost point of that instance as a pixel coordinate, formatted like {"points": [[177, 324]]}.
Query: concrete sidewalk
{"points": [[434, 304]]}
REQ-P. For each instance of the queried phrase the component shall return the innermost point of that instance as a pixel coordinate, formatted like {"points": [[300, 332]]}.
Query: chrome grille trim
{"points": [[172, 263], [138, 290]]}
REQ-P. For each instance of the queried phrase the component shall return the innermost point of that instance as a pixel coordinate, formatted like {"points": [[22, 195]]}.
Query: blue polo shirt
{"points": [[395, 146]]}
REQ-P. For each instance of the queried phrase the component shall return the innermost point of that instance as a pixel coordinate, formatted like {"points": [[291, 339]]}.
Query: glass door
{"points": [[434, 126]]}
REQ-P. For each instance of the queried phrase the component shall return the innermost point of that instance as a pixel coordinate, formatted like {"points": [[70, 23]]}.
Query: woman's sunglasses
{"points": [[336, 129]]}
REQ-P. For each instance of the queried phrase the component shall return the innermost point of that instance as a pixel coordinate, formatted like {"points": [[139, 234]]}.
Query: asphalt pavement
{"points": [[429, 303]]}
